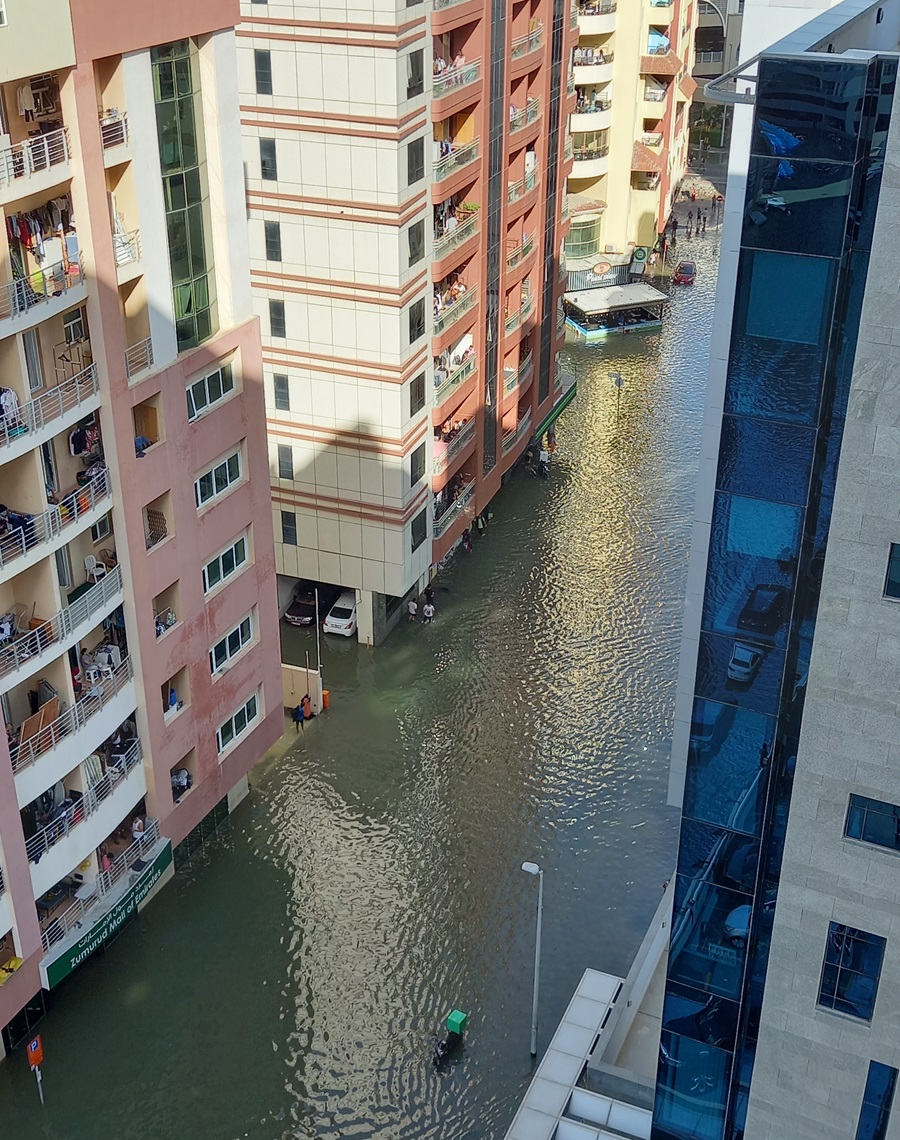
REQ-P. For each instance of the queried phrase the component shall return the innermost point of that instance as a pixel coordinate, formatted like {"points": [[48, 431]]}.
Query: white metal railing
{"points": [[138, 357], [511, 437], [522, 187], [33, 530], [708, 57], [520, 315], [589, 153], [593, 106], [560, 322], [453, 381], [455, 509], [438, 4], [652, 139], [564, 212], [462, 233], [521, 373], [127, 247], [655, 94], [530, 42], [36, 641], [455, 77], [39, 287], [604, 8], [527, 115], [164, 620], [63, 398], [23, 159], [93, 797], [519, 254], [446, 317], [592, 57], [106, 880], [460, 157], [114, 130], [570, 84], [567, 149], [464, 436], [76, 716]]}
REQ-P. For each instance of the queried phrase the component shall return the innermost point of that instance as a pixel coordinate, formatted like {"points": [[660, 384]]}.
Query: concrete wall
{"points": [[30, 43]]}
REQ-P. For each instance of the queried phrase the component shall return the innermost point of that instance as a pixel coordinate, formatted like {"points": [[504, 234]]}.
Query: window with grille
{"points": [[273, 241], [417, 394], [262, 65], [416, 320], [415, 161], [282, 392], [268, 161], [276, 319]]}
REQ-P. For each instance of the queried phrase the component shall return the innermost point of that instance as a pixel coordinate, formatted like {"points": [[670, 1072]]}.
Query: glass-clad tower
{"points": [[820, 128]]}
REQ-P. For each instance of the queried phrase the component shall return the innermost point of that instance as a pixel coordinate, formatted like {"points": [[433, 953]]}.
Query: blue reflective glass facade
{"points": [[877, 1100], [820, 126]]}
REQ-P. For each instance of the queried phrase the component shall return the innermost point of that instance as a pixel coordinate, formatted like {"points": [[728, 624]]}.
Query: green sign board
{"points": [[54, 972]]}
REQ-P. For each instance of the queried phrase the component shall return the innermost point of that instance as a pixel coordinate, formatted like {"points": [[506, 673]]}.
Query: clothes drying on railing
{"points": [[30, 228], [8, 623], [9, 413], [11, 521]]}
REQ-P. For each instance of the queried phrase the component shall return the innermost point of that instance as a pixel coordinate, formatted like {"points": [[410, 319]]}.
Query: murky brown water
{"points": [[291, 983]]}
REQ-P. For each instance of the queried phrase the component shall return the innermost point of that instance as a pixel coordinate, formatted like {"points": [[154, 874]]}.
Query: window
{"points": [[268, 162], [416, 237], [237, 724], [33, 365], [273, 241], [220, 568], [282, 392], [417, 465], [74, 326], [101, 529], [64, 570], [419, 529], [209, 390], [416, 320], [276, 318], [262, 65], [877, 1100], [417, 394], [288, 528], [892, 582], [415, 161], [217, 480], [415, 73], [851, 971], [285, 461], [873, 821], [231, 644]]}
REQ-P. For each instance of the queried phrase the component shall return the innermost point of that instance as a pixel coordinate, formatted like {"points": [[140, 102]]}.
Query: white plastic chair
{"points": [[93, 569]]}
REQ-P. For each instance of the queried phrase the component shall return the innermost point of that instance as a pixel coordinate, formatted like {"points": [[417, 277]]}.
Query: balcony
{"points": [[114, 138], [457, 158], [440, 5], [592, 66], [35, 165], [60, 408], [32, 299], [708, 63], [573, 17], [591, 116], [517, 434], [526, 44], [591, 161], [597, 19], [654, 139], [454, 78], [567, 149], [519, 376], [448, 317], [520, 315], [26, 654], [528, 114], [522, 187], [519, 254], [138, 358], [129, 255], [464, 230], [459, 442], [43, 533], [445, 520], [570, 84], [446, 388], [655, 94]]}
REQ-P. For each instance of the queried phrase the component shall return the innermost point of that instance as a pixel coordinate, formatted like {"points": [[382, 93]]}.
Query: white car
{"points": [[744, 664], [342, 615]]}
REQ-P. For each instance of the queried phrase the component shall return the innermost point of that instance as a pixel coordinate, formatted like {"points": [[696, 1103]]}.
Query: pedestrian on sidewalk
{"points": [[429, 596], [297, 715], [412, 609], [690, 217], [306, 705], [427, 613]]}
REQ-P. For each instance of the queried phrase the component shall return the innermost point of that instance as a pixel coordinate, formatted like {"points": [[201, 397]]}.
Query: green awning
{"points": [[556, 411]]}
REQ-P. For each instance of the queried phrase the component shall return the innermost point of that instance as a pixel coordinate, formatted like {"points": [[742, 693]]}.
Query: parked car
{"points": [[764, 610], [685, 273], [744, 664], [342, 615], [302, 610], [736, 927], [703, 723]]}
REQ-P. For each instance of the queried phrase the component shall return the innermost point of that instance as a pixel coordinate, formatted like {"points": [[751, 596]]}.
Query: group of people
{"points": [[303, 712], [587, 56], [412, 608], [450, 70], [586, 106], [447, 362], [450, 429], [447, 293]]}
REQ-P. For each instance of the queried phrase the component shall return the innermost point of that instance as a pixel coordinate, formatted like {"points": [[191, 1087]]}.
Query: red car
{"points": [[685, 273]]}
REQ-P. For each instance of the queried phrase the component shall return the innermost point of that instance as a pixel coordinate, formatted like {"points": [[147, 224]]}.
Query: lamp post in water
{"points": [[534, 869]]}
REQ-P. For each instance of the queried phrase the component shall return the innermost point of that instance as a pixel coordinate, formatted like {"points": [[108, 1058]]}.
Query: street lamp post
{"points": [[534, 869]]}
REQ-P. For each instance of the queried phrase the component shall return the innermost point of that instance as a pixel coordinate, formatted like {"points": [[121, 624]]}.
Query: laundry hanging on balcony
{"points": [[33, 228]]}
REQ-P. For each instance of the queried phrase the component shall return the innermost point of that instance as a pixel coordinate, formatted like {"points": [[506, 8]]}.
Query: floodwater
{"points": [[291, 982]]}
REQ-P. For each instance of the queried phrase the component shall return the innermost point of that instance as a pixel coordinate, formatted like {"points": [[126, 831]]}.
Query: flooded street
{"points": [[291, 981]]}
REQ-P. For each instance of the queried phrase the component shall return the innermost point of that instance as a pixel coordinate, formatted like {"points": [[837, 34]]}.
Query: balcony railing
{"points": [[114, 131], [164, 620], [708, 57], [525, 44], [453, 381], [589, 153], [63, 398], [588, 57], [139, 357], [23, 159], [519, 254], [567, 149], [652, 139], [93, 797], [449, 516], [34, 530], [604, 8], [456, 159], [462, 233], [37, 641], [570, 84], [127, 247], [655, 94], [37, 288], [520, 315], [564, 211], [512, 437], [74, 915], [522, 187], [521, 374], [455, 77], [439, 4], [588, 107], [76, 716], [446, 317], [560, 322], [527, 115], [463, 437]]}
